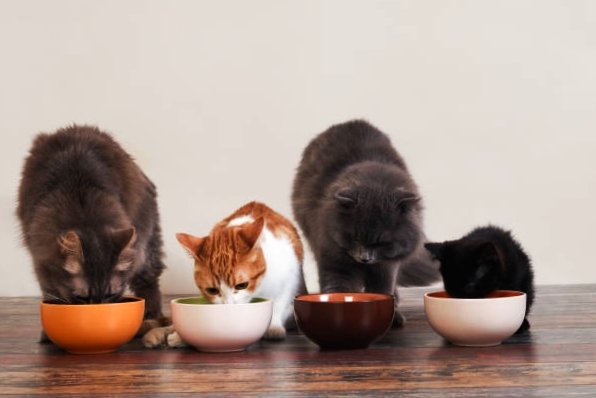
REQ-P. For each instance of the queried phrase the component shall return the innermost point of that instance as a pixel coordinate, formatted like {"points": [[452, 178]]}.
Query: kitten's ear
{"points": [[249, 234], [124, 239], [71, 248], [191, 244], [347, 198], [436, 249]]}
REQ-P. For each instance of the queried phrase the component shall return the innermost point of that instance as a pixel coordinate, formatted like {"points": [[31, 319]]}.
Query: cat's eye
{"points": [[241, 286], [212, 291]]}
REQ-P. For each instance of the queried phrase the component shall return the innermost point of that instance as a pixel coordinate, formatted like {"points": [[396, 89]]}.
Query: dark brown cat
{"points": [[90, 221]]}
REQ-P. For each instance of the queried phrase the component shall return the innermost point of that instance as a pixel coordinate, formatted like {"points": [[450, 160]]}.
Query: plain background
{"points": [[491, 103]]}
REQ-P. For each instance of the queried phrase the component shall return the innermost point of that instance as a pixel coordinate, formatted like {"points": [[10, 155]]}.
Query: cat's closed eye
{"points": [[380, 245], [212, 291], [241, 286]]}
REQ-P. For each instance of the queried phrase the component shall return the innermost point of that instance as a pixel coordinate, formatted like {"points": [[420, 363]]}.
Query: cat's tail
{"points": [[419, 269]]}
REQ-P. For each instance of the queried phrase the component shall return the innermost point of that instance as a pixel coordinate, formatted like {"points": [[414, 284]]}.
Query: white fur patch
{"points": [[228, 295], [282, 277], [282, 264], [240, 220]]}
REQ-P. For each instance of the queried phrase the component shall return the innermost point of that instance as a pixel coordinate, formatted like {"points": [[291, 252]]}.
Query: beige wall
{"points": [[492, 103]]}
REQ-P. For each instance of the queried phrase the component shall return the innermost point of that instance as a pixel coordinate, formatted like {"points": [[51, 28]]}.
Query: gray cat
{"points": [[360, 212], [90, 221]]}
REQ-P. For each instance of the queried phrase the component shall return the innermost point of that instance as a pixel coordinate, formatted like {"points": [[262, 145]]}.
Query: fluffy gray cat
{"points": [[360, 211]]}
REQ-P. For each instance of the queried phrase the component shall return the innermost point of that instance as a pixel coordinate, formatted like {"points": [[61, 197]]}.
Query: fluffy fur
{"points": [[89, 219], [360, 211], [255, 252], [486, 259]]}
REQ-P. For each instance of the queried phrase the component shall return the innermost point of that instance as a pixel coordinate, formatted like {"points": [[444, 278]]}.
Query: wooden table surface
{"points": [[556, 359]]}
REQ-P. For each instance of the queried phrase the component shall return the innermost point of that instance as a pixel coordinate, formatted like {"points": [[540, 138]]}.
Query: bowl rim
{"points": [[175, 301], [507, 294], [134, 300], [368, 298]]}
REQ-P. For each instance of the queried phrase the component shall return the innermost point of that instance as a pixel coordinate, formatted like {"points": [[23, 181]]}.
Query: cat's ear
{"points": [[404, 200], [347, 198], [436, 249], [191, 244], [249, 233], [70, 244], [71, 248], [123, 240]]}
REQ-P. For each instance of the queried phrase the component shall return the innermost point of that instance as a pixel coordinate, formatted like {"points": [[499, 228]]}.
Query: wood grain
{"points": [[557, 358]]}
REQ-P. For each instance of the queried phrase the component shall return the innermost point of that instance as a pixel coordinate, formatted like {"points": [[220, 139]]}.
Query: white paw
{"points": [[156, 337], [275, 332], [174, 340]]}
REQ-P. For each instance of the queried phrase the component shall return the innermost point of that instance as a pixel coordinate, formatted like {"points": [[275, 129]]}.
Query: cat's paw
{"points": [[525, 326], [275, 332], [157, 337], [398, 320], [147, 326], [174, 341], [44, 339]]}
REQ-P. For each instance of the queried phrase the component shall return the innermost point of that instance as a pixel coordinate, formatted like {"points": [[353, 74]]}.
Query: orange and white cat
{"points": [[255, 252]]}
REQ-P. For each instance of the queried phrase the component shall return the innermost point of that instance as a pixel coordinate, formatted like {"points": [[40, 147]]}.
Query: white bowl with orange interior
{"points": [[477, 322]]}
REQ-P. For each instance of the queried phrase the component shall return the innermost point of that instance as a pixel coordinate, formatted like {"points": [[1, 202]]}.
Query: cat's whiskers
{"points": [[56, 298]]}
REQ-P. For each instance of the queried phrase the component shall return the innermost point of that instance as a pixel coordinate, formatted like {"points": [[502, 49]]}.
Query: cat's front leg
{"points": [[398, 318], [143, 287], [282, 310], [276, 330], [333, 279], [382, 278]]}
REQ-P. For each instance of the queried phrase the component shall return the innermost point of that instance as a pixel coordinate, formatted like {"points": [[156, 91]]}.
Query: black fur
{"points": [[486, 259]]}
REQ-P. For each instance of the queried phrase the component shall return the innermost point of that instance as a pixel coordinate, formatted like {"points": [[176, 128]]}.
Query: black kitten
{"points": [[486, 259], [360, 211]]}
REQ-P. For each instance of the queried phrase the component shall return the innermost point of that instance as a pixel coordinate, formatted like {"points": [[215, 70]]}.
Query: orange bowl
{"points": [[92, 328]]}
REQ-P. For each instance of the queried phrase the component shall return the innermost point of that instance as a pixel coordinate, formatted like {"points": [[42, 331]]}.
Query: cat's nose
{"points": [[366, 258]]}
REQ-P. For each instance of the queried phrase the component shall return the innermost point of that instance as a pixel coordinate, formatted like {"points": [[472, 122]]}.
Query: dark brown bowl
{"points": [[344, 320]]}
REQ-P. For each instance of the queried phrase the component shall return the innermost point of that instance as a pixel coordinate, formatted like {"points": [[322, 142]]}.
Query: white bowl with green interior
{"points": [[220, 327]]}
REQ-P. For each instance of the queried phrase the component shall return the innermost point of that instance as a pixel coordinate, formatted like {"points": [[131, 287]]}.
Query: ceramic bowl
{"points": [[476, 322], [220, 327], [92, 328], [344, 320]]}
